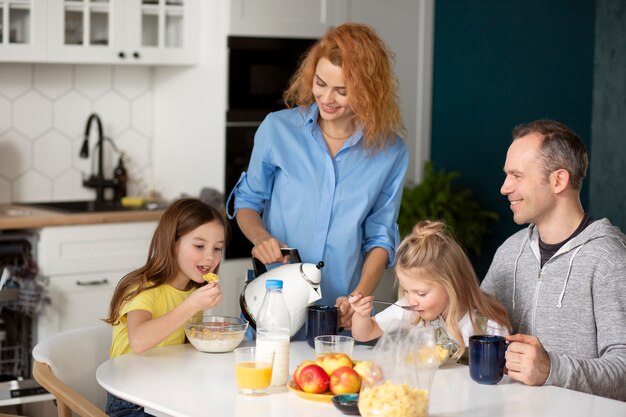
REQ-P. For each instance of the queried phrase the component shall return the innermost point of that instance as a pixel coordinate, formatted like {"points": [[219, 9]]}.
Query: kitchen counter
{"points": [[13, 217]]}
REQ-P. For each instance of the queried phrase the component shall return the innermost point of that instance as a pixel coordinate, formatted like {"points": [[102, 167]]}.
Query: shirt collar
{"points": [[311, 116]]}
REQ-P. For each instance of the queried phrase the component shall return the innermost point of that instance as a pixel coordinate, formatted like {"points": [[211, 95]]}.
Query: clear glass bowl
{"points": [[216, 333]]}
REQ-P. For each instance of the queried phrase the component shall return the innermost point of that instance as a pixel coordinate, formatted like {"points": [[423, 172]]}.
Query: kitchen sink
{"points": [[79, 206]]}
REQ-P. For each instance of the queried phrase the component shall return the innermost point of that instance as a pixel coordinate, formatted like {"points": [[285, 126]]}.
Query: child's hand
{"points": [[207, 296], [361, 305]]}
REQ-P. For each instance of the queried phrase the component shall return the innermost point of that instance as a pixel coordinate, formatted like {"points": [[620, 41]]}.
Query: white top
{"points": [[391, 315], [181, 381]]}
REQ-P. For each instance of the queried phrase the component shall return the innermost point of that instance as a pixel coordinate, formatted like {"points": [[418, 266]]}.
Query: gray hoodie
{"points": [[575, 304]]}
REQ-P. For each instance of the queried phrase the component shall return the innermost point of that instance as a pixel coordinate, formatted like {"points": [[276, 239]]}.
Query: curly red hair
{"points": [[371, 84]]}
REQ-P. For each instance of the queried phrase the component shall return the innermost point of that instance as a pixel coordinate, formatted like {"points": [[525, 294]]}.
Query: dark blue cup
{"points": [[320, 320], [486, 358]]}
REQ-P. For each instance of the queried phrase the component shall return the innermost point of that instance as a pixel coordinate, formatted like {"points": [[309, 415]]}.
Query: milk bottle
{"points": [[273, 329]]}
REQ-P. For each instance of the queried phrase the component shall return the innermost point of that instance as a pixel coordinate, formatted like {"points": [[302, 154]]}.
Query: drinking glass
{"points": [[253, 370], [326, 344]]}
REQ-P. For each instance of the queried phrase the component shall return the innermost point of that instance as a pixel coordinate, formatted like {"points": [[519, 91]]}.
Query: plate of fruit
{"points": [[330, 374]]}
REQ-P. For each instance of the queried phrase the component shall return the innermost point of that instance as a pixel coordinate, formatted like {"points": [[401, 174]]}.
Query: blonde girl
{"points": [[438, 281]]}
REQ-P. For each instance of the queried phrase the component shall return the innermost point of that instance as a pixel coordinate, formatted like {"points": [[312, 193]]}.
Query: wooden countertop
{"points": [[14, 217]]}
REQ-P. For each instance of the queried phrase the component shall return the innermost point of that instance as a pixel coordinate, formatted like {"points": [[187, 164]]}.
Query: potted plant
{"points": [[435, 198]]}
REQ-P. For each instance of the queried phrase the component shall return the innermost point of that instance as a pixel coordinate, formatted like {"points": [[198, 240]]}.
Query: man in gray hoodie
{"points": [[563, 278]]}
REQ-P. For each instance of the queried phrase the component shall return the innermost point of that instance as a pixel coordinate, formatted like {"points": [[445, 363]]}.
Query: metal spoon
{"points": [[410, 308]]}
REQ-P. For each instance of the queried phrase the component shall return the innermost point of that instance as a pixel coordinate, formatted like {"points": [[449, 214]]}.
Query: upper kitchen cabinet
{"points": [[150, 32], [279, 18], [23, 30]]}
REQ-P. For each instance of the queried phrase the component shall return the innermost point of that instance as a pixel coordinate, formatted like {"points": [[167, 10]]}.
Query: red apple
{"points": [[332, 361], [296, 373], [345, 380], [313, 379]]}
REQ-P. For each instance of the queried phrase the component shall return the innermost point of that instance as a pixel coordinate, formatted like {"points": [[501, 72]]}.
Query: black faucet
{"points": [[98, 181]]}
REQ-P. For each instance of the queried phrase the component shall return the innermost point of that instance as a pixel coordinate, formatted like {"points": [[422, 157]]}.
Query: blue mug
{"points": [[320, 320], [486, 358]]}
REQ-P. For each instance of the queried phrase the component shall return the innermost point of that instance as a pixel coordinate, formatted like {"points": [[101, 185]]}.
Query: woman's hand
{"points": [[267, 250], [345, 312], [205, 297], [362, 306]]}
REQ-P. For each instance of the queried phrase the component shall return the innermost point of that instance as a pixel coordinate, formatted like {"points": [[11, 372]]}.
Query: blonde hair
{"points": [[432, 250], [372, 87]]}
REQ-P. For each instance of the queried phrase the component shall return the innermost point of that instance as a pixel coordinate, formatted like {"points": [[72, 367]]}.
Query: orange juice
{"points": [[253, 375]]}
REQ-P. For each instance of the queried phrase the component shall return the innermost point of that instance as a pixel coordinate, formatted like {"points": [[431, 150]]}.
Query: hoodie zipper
{"points": [[535, 302]]}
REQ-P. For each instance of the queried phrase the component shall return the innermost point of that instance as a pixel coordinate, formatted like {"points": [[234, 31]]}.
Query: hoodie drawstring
{"points": [[519, 254], [569, 270]]}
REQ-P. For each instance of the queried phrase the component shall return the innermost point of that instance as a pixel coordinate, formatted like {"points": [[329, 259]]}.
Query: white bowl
{"points": [[216, 333]]}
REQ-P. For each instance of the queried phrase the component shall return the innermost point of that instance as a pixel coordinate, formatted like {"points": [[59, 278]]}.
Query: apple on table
{"points": [[311, 378], [332, 361], [345, 380]]}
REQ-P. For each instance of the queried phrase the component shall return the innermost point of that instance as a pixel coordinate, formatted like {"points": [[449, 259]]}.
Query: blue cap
{"points": [[274, 283]]}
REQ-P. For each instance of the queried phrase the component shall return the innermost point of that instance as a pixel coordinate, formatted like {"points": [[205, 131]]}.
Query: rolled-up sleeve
{"points": [[380, 228], [254, 187]]}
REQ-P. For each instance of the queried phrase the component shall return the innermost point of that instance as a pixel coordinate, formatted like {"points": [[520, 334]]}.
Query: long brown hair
{"points": [[432, 250], [180, 218], [372, 87]]}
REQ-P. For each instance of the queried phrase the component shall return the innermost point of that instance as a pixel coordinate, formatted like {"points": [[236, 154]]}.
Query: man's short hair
{"points": [[560, 148]]}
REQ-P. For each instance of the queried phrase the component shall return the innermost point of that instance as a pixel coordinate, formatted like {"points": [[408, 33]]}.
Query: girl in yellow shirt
{"points": [[151, 304]]}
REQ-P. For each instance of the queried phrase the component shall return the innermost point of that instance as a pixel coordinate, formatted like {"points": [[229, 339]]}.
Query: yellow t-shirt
{"points": [[156, 301]]}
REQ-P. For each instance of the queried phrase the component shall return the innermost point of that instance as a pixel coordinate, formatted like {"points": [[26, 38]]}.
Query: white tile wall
{"points": [[43, 112]]}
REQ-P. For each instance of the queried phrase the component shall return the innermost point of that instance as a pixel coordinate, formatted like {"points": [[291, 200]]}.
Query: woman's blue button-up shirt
{"points": [[331, 209]]}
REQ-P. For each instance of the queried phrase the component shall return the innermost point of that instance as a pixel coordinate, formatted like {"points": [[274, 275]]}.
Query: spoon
{"points": [[410, 308]]}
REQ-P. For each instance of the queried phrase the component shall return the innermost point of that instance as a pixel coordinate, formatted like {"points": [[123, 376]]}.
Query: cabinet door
{"points": [[23, 30], [163, 31], [85, 31], [280, 18], [123, 31], [77, 301]]}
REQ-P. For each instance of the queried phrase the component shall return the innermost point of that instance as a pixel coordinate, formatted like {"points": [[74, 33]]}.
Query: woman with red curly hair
{"points": [[326, 175]]}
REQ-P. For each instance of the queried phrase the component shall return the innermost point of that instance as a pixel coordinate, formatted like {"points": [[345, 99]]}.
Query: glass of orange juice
{"points": [[253, 370]]}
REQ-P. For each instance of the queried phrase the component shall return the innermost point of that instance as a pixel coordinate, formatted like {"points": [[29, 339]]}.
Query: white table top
{"points": [[180, 381]]}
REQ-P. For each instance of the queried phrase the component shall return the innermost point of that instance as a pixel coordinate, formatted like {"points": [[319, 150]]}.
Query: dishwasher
{"points": [[22, 299]]}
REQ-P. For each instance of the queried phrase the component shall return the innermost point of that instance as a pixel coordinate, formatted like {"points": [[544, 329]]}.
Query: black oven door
{"points": [[239, 142]]}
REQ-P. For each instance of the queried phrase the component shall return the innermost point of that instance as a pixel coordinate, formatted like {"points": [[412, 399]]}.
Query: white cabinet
{"points": [[23, 36], [84, 264], [123, 31], [140, 32], [280, 18]]}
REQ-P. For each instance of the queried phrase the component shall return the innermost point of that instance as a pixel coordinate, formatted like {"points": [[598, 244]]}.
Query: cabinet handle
{"points": [[121, 55], [95, 282], [136, 54]]}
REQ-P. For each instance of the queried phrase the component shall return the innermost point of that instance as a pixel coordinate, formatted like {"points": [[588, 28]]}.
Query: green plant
{"points": [[435, 198]]}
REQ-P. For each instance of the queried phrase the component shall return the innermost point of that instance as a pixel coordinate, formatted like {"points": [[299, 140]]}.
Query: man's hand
{"points": [[526, 360], [345, 312]]}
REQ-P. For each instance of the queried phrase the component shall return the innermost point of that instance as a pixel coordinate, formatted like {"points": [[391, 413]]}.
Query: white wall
{"points": [[190, 112], [407, 27]]}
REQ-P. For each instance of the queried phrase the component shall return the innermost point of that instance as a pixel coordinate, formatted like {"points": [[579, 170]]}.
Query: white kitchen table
{"points": [[181, 381]]}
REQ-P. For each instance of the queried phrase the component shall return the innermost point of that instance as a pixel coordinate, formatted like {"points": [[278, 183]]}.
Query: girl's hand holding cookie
{"points": [[207, 296]]}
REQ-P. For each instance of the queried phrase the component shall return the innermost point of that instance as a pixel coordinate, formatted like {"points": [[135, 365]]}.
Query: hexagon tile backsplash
{"points": [[43, 113]]}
